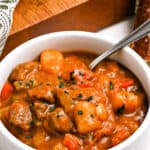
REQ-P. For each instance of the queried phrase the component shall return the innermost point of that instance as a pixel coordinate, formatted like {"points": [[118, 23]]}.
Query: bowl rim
{"points": [[5, 132]]}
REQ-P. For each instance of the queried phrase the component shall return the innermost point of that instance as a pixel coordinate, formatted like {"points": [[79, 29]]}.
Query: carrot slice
{"points": [[6, 91], [126, 83], [71, 142]]}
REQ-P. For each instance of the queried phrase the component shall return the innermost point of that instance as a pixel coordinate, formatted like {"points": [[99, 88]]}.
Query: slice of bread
{"points": [[143, 13]]}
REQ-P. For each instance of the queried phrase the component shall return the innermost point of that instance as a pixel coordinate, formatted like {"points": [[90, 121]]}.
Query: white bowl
{"points": [[73, 40]]}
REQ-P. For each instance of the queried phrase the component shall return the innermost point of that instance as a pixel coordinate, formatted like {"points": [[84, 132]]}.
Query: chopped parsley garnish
{"points": [[27, 85], [80, 112], [90, 98], [61, 85], [20, 83], [111, 85], [31, 82], [91, 115], [59, 78], [80, 95], [52, 107], [72, 75], [121, 109], [28, 136], [74, 82], [66, 92]]}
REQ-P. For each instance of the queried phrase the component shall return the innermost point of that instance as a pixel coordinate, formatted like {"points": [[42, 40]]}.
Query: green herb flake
{"points": [[27, 85], [61, 85], [31, 82], [92, 115], [74, 82], [80, 95], [111, 85], [52, 107], [59, 78], [66, 92], [28, 136], [90, 98], [20, 83], [80, 112], [72, 75], [121, 109]]}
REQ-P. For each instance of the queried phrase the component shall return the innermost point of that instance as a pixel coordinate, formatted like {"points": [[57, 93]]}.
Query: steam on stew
{"points": [[57, 103]]}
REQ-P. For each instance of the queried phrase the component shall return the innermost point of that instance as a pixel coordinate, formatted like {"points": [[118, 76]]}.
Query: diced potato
{"points": [[127, 102], [85, 117], [51, 60], [101, 111], [133, 102]]}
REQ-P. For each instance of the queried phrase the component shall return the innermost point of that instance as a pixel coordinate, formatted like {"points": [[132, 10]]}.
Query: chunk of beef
{"points": [[42, 92], [65, 99], [23, 75], [86, 118], [23, 70], [59, 121], [41, 109], [20, 115]]}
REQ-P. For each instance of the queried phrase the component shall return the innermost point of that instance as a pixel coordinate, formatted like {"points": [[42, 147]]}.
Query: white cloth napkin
{"points": [[6, 15]]}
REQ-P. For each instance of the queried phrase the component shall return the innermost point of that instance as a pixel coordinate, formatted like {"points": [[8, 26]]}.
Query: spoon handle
{"points": [[133, 36]]}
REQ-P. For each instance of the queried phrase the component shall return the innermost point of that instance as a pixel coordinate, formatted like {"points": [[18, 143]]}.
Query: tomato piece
{"points": [[6, 91], [71, 142], [126, 83], [85, 85]]}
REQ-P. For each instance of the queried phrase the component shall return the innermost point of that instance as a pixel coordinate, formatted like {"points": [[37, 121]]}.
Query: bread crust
{"points": [[143, 13]]}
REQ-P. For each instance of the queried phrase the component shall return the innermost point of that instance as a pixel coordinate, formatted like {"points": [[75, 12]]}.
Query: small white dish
{"points": [[76, 40]]}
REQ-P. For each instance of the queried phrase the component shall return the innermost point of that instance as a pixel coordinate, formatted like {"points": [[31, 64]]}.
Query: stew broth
{"points": [[57, 103]]}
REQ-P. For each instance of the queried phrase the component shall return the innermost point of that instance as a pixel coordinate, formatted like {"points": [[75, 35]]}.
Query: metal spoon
{"points": [[133, 36]]}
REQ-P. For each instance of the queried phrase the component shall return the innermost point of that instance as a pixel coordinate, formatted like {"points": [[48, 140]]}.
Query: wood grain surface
{"points": [[35, 17], [31, 12]]}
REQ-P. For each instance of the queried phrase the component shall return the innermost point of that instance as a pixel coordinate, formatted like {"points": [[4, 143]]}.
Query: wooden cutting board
{"points": [[36, 17]]}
